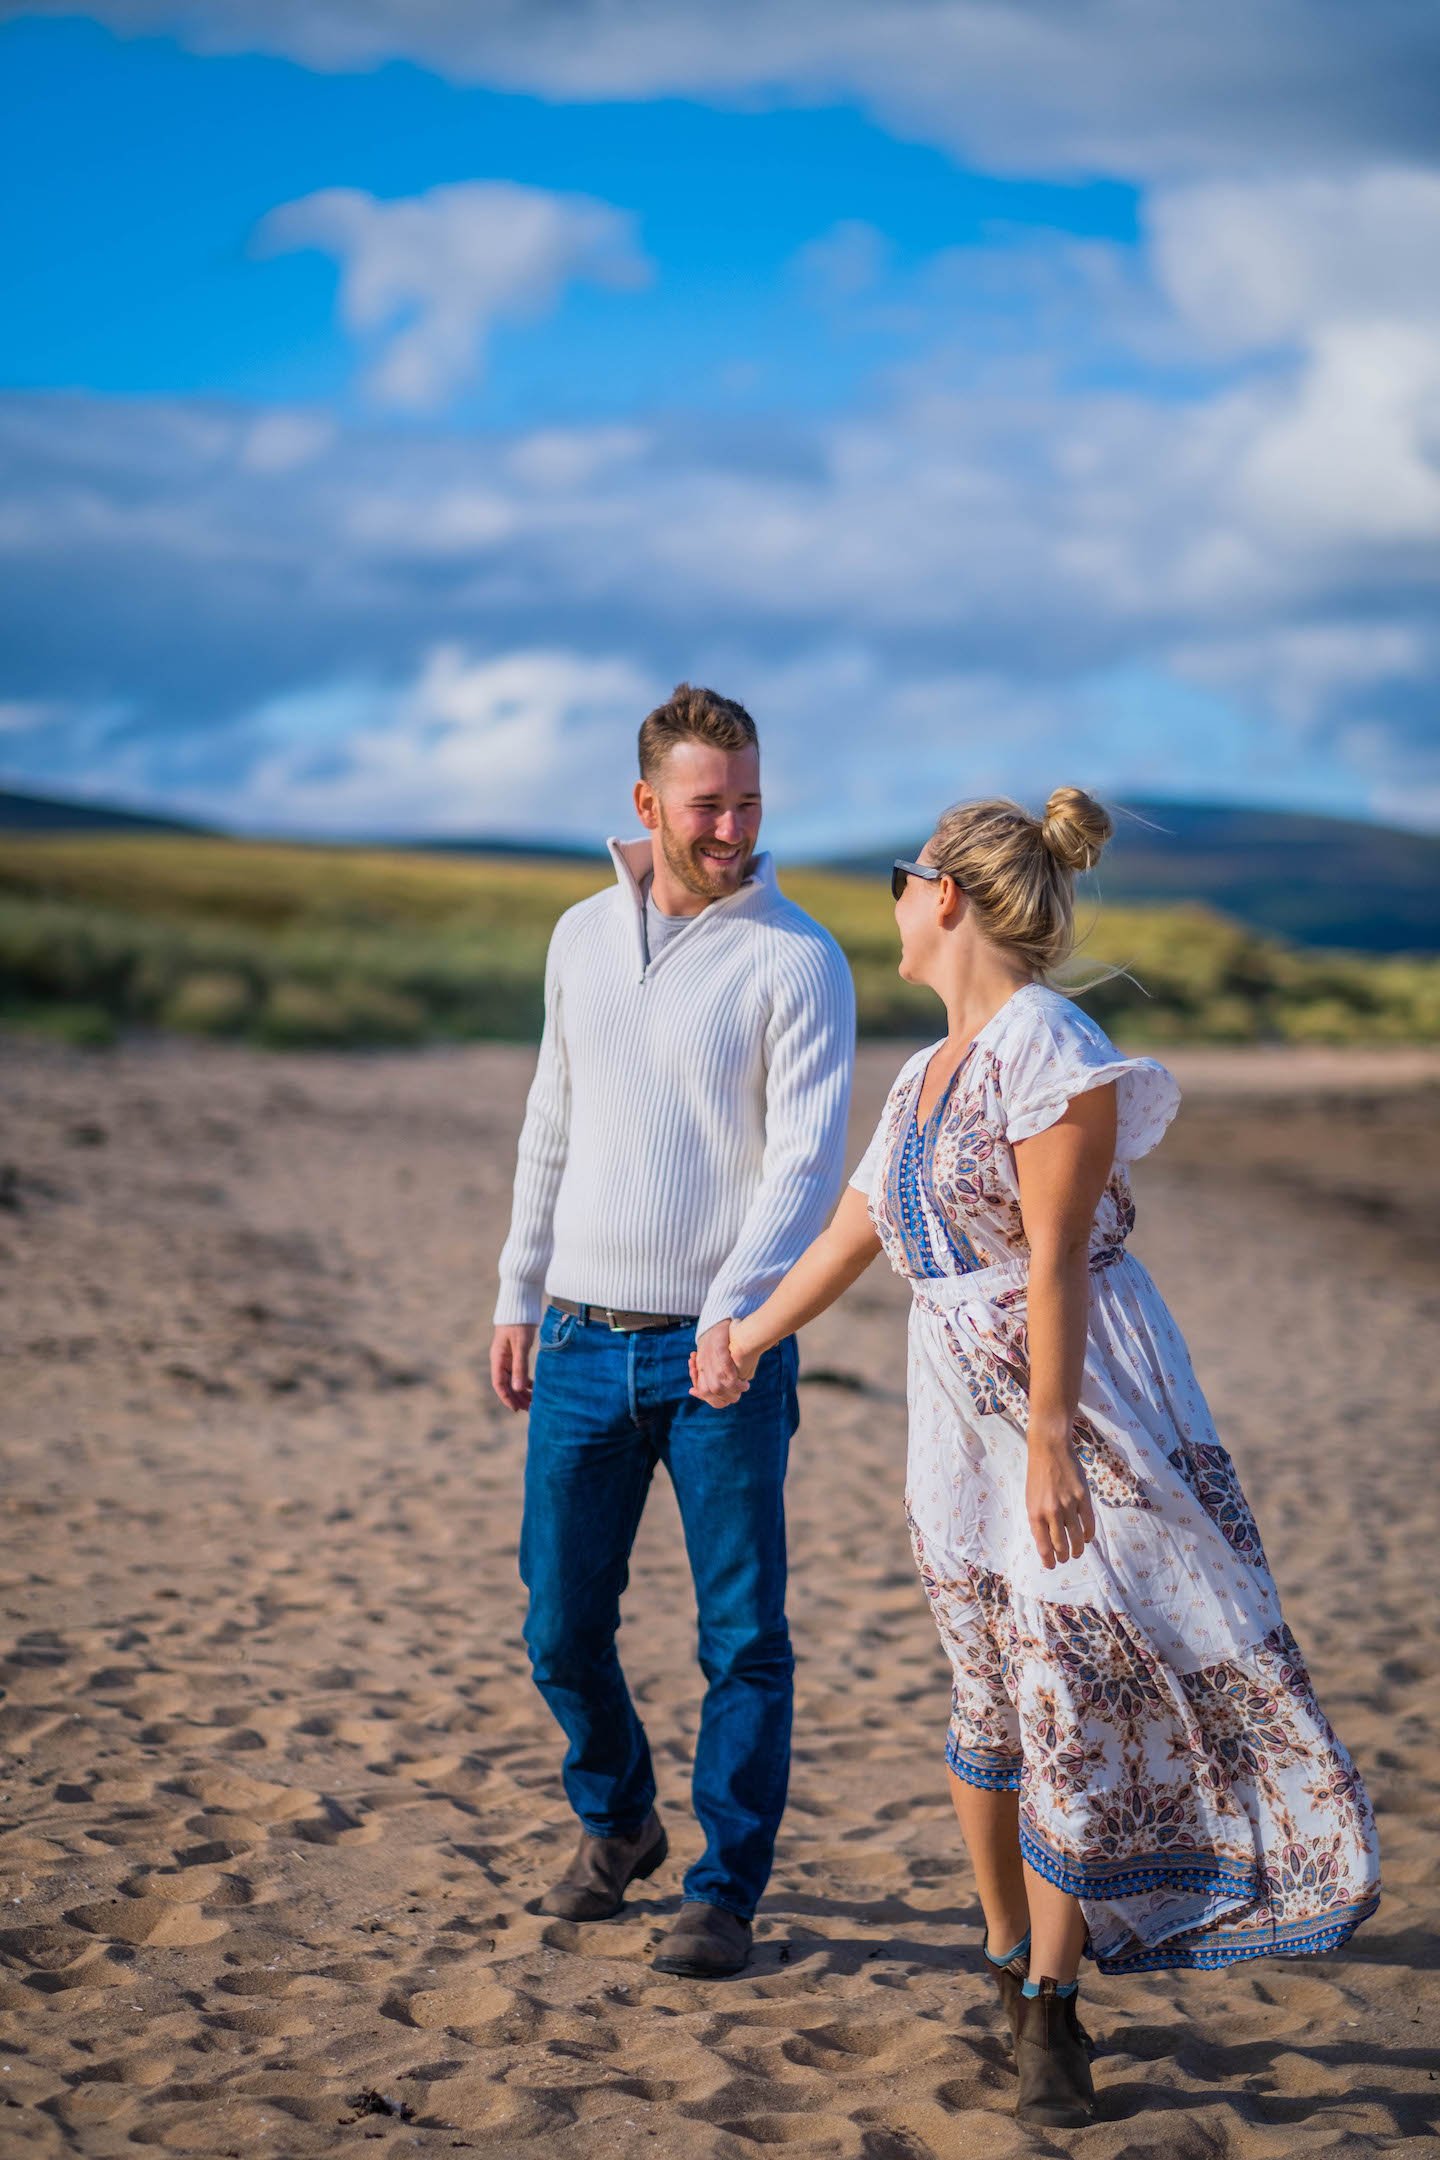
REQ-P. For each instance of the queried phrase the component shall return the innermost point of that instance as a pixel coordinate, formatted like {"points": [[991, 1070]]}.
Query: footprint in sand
{"points": [[262, 2021], [479, 2009], [419, 1769], [333, 1825], [228, 1793], [182, 1885], [257, 1981], [41, 1949], [158, 1921], [800, 2128], [893, 2045], [104, 1965], [224, 1836], [21, 1724], [142, 2070]]}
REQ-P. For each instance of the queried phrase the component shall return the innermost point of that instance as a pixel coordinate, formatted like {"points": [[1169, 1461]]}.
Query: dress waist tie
{"points": [[1005, 1284]]}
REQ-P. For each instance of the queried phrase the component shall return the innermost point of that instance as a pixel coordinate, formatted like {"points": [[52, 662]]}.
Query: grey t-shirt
{"points": [[659, 929]]}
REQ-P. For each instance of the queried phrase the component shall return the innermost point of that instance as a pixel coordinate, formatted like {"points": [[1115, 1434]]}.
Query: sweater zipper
{"points": [[646, 963]]}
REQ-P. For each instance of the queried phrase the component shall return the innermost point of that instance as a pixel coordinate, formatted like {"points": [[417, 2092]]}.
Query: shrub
{"points": [[298, 1016], [373, 1015], [211, 1002]]}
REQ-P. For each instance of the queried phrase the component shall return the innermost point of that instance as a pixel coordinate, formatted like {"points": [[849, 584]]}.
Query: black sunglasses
{"points": [[902, 870]]}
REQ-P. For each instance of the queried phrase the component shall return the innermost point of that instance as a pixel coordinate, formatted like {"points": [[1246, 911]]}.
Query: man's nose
{"points": [[730, 827]]}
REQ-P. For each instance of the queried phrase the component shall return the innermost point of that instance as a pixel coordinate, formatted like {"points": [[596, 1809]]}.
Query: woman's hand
{"points": [[1057, 1502], [722, 1377]]}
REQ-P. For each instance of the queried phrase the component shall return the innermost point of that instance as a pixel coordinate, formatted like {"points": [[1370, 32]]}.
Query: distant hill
{"points": [[1318, 880], [532, 850], [55, 813], [62, 814]]}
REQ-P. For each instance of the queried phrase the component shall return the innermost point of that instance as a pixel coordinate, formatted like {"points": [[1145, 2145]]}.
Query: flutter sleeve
{"points": [[863, 1176], [1062, 1053]]}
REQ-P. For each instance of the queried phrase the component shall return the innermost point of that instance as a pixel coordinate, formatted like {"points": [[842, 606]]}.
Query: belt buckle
{"points": [[612, 1322]]}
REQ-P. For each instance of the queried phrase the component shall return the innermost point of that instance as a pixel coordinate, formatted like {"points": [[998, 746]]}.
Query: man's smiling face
{"points": [[706, 810]]}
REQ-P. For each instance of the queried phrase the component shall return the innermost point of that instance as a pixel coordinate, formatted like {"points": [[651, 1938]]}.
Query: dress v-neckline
{"points": [[921, 1124]]}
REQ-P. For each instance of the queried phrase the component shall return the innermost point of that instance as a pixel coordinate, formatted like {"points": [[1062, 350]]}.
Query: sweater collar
{"points": [[633, 860]]}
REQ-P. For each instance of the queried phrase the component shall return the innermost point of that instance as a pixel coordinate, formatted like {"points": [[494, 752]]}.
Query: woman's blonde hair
{"points": [[1018, 871]]}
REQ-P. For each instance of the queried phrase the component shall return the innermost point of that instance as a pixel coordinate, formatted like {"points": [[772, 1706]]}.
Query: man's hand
{"points": [[714, 1375], [510, 1364]]}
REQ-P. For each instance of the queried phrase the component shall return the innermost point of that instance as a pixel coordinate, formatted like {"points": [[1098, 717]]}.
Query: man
{"points": [[682, 1145]]}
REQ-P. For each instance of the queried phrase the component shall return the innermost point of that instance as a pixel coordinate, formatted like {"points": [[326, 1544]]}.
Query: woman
{"points": [[1137, 1759]]}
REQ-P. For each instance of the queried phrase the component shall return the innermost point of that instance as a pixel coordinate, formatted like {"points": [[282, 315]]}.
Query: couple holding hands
{"points": [[1136, 1756]]}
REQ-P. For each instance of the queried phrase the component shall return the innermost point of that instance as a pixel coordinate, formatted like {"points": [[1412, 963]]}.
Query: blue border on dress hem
{"points": [[1308, 1938], [1304, 1941], [987, 1779], [1201, 1871]]}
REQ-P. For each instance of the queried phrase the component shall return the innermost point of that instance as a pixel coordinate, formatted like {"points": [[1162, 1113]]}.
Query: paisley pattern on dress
{"points": [[1147, 1701]]}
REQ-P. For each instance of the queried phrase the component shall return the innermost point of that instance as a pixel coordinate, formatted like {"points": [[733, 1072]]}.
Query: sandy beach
{"points": [[277, 1794]]}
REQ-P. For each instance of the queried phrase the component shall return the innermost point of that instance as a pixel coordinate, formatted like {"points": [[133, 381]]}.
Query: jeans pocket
{"points": [[556, 1328]]}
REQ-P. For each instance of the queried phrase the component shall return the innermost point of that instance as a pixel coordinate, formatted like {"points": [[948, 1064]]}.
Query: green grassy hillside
{"points": [[301, 945]]}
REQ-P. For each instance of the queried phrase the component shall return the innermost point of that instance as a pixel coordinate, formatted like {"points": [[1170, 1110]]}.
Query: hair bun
{"points": [[1075, 828]]}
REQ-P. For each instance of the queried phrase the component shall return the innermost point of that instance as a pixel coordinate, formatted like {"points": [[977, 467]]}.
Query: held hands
{"points": [[1057, 1500], [720, 1366]]}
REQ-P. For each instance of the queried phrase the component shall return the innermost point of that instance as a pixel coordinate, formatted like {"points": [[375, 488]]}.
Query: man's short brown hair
{"points": [[692, 714]]}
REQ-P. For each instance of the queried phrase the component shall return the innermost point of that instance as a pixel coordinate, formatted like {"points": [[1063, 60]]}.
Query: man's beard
{"points": [[689, 868]]}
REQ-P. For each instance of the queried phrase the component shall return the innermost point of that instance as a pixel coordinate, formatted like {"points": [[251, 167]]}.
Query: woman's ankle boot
{"points": [[1057, 2091], [1010, 1981]]}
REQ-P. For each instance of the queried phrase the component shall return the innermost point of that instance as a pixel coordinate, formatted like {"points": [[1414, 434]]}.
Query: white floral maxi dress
{"points": [[1147, 1701]]}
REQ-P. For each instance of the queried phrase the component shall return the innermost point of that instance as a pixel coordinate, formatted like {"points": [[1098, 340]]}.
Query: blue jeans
{"points": [[607, 1408]]}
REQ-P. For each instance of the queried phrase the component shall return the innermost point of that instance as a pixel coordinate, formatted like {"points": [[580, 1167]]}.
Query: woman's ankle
{"points": [[1003, 1944]]}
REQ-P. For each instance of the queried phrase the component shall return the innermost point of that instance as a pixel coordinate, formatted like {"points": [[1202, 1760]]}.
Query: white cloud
{"points": [[429, 276], [1261, 263], [1343, 449], [280, 440], [564, 458], [1149, 87], [1354, 458], [472, 745]]}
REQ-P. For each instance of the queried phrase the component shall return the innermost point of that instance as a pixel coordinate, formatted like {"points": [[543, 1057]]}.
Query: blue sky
{"points": [[389, 414]]}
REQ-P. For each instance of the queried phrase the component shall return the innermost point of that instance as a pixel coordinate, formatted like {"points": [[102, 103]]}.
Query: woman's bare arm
{"points": [[826, 1268], [1063, 1172]]}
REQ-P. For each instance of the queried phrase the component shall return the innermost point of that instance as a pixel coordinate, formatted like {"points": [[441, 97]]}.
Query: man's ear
{"points": [[647, 805]]}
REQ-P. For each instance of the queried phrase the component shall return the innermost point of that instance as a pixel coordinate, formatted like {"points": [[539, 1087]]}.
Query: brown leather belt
{"points": [[623, 1323]]}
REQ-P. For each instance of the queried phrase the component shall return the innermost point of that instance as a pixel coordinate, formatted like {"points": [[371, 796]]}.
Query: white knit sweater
{"points": [[684, 1134]]}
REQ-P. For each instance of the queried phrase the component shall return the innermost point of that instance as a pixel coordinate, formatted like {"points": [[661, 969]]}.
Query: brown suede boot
{"points": [[706, 1943], [1057, 2091], [1010, 1980], [593, 1886]]}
